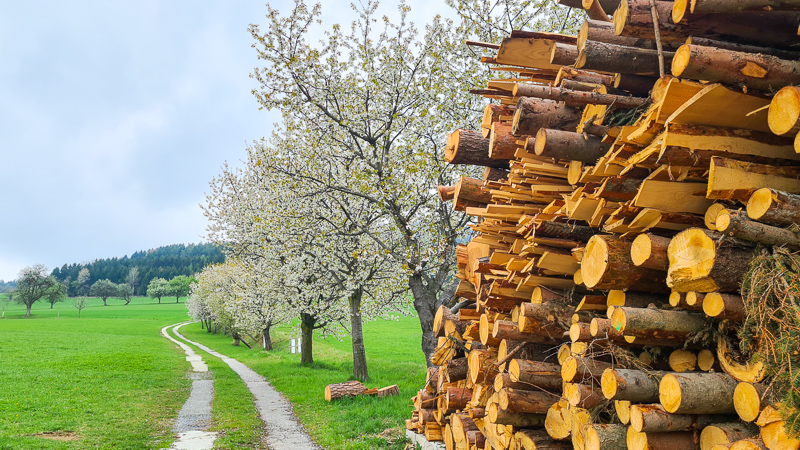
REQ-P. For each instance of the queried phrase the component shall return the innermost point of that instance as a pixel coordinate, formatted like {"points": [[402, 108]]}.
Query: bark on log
{"points": [[655, 419], [595, 30], [658, 323], [582, 395], [481, 366], [605, 57], [774, 207], [607, 264], [697, 393], [491, 114], [737, 47], [569, 146], [609, 436], [563, 54], [650, 251], [564, 231], [572, 97], [469, 194], [737, 180], [724, 306], [576, 370], [506, 329], [442, 314], [726, 433], [502, 144], [704, 261], [497, 415], [532, 439], [584, 76], [634, 18], [535, 374], [756, 71], [635, 84], [523, 401], [471, 148], [456, 369], [662, 441], [457, 398], [630, 384], [723, 6], [494, 174], [346, 389], [533, 114], [446, 192]]}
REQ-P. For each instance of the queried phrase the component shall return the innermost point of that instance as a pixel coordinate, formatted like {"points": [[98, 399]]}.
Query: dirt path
{"points": [[283, 430]]}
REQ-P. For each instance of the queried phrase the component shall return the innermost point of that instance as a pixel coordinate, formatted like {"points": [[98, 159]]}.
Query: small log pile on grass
{"points": [[633, 269]]}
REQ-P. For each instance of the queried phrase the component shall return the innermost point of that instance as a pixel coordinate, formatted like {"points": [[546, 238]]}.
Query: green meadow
{"points": [[109, 380]]}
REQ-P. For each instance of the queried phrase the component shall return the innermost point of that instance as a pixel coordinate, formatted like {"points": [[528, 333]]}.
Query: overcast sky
{"points": [[114, 116]]}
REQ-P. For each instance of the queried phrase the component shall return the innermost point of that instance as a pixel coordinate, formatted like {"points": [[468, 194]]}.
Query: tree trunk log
{"points": [[569, 146], [650, 251], [697, 393], [607, 264], [471, 148], [522, 401], [635, 84], [605, 57], [748, 400], [443, 314], [576, 370], [469, 194], [491, 114], [630, 384], [502, 144], [726, 433], [606, 437], [724, 306], [723, 6], [769, 29], [658, 323], [633, 299], [535, 374], [582, 395], [360, 371], [702, 260], [563, 54], [457, 398], [756, 71], [656, 419], [595, 30], [497, 415], [532, 114], [737, 47], [572, 97], [738, 180], [456, 369], [662, 441], [346, 389], [774, 207], [482, 366]]}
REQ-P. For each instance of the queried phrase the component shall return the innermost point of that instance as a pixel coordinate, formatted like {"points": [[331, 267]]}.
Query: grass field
{"points": [[110, 380], [393, 357], [105, 380]]}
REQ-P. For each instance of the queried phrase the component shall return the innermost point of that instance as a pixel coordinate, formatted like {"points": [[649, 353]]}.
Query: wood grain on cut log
{"points": [[653, 418], [749, 371], [442, 314], [569, 146], [471, 148], [486, 327], [481, 366], [775, 436], [737, 180], [558, 423], [346, 389], [748, 400], [605, 436], [707, 361], [724, 306], [705, 261], [658, 323], [630, 384], [582, 395], [572, 97], [491, 114], [502, 144], [623, 410], [774, 207], [756, 71], [681, 360], [580, 332], [725, 433], [697, 393], [607, 264], [461, 425], [497, 415], [710, 217], [581, 418], [650, 251], [604, 57], [563, 54]]}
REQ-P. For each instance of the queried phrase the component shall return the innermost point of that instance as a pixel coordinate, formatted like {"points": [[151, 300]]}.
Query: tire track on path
{"points": [[283, 430]]}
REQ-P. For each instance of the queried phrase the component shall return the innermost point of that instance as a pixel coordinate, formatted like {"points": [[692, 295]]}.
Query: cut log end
{"points": [[669, 391], [747, 401], [681, 59], [760, 202], [784, 111], [640, 249]]}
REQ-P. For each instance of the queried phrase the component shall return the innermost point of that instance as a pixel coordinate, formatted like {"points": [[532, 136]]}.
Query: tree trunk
{"points": [[307, 322], [266, 339], [159, 300], [607, 264], [572, 97], [28, 310], [104, 302], [621, 59], [654, 418], [563, 54], [569, 146], [357, 335], [697, 393], [177, 299], [774, 207], [425, 304], [535, 113], [471, 148], [762, 72]]}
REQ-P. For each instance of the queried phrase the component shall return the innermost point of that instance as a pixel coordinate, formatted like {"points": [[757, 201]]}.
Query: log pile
{"points": [[616, 219]]}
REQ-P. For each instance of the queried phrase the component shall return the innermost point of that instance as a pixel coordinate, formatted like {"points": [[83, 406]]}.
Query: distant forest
{"points": [[7, 286], [164, 262]]}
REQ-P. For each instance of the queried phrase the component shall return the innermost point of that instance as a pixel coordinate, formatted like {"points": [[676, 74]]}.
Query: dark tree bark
{"points": [[426, 304], [266, 340], [307, 325], [357, 334]]}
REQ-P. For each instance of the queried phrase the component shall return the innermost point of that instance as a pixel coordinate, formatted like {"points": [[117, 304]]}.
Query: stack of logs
{"points": [[617, 215]]}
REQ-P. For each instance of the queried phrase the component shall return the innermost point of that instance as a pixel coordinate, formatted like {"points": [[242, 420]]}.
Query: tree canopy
{"points": [[33, 283]]}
